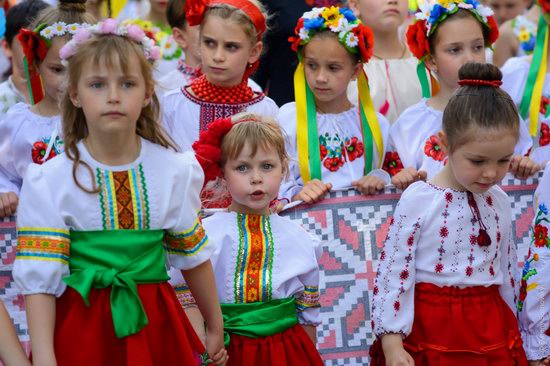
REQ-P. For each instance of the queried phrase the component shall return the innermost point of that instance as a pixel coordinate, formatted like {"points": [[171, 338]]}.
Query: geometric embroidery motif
{"points": [[308, 299], [44, 244], [123, 199], [253, 272], [188, 242]]}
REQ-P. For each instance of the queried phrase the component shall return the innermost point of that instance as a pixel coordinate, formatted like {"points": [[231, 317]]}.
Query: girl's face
{"points": [[111, 99], [483, 161], [53, 72], [457, 42], [507, 9], [159, 6], [329, 68], [381, 15], [253, 181], [226, 51]]}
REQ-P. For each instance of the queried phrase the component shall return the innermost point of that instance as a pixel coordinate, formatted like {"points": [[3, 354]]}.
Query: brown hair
{"points": [[460, 14], [111, 51], [478, 106], [225, 11], [68, 11], [175, 13]]}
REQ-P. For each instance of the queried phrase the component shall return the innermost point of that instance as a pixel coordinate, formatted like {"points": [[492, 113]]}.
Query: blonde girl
{"points": [[266, 266], [115, 210], [31, 133], [230, 46]]}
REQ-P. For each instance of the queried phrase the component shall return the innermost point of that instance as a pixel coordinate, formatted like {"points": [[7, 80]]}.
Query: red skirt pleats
{"points": [[455, 327], [293, 347], [85, 335]]}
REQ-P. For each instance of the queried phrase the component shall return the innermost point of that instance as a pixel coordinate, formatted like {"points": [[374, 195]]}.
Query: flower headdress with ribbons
{"points": [[111, 27], [530, 102], [35, 44], [430, 16], [358, 39], [195, 10]]}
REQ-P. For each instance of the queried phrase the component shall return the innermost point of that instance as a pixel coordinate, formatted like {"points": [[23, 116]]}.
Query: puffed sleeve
{"points": [[43, 243], [187, 243], [10, 181], [307, 302], [293, 183], [534, 295], [393, 300]]}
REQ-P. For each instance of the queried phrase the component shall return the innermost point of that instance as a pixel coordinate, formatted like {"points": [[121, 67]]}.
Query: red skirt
{"points": [[292, 347], [85, 335], [455, 327]]}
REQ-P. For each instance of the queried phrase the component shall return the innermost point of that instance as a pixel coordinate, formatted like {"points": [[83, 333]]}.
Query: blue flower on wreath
{"points": [[529, 46], [315, 23], [543, 208], [348, 14], [436, 12]]}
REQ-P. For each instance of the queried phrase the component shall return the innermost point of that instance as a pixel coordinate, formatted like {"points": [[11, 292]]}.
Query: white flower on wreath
{"points": [[524, 25], [351, 40], [59, 28], [314, 13], [304, 34], [342, 25], [465, 6], [168, 47], [72, 28], [425, 10], [47, 33], [484, 12]]}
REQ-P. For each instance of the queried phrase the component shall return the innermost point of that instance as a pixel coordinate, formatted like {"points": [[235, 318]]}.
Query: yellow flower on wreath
{"points": [[524, 36], [447, 4], [332, 16]]}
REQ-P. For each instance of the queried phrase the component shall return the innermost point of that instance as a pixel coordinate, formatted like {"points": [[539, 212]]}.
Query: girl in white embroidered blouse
{"points": [[266, 266], [445, 288]]}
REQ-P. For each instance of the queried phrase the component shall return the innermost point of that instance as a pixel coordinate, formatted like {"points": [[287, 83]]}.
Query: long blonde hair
{"points": [[111, 51]]}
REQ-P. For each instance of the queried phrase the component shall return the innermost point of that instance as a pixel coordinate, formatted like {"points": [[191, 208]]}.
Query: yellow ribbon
{"points": [[369, 112], [301, 122], [537, 91]]}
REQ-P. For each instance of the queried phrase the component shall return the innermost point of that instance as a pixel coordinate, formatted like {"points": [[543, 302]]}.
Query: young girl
{"points": [[392, 76], [266, 266], [338, 144], [445, 287], [230, 46], [445, 36], [533, 302], [31, 133], [115, 210], [11, 352], [528, 83]]}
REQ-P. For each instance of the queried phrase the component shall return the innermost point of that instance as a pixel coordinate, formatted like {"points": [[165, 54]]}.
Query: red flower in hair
{"points": [[433, 150], [365, 41], [296, 40], [208, 148], [493, 26], [194, 11], [33, 45], [417, 40], [544, 134], [392, 163], [545, 5]]}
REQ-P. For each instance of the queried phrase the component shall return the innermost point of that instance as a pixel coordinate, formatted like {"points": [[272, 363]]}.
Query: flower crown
{"points": [[431, 14], [111, 26], [352, 34], [169, 49]]}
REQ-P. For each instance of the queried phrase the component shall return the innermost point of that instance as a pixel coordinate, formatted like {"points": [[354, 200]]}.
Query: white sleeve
{"points": [[9, 179], [43, 248], [292, 184], [534, 295], [400, 143], [525, 142], [393, 294], [307, 302], [508, 260], [187, 243]]}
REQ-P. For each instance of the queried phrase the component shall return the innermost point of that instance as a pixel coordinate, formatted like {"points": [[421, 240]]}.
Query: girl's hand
{"points": [[313, 191], [535, 363], [368, 184], [8, 204], [215, 349], [522, 167], [277, 206], [395, 354], [408, 176]]}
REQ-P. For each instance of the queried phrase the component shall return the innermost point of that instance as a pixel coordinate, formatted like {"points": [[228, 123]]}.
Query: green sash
{"points": [[259, 319], [119, 259]]}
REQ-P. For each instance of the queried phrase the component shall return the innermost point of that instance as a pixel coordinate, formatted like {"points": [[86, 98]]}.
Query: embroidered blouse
{"points": [[184, 115], [9, 96], [438, 244], [534, 295], [263, 258], [414, 137], [159, 190], [341, 146], [25, 138]]}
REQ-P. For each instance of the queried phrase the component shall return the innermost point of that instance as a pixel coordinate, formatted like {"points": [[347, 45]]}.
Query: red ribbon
{"points": [[476, 82], [33, 45]]}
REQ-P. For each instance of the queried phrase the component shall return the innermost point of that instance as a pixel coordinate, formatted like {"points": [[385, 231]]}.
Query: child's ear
{"points": [[256, 52], [6, 49], [180, 36], [356, 70], [73, 96], [443, 142], [148, 97], [431, 64]]}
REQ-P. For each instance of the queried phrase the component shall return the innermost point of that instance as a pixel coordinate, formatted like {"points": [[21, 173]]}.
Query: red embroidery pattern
{"points": [[123, 193], [433, 149], [544, 138], [392, 163]]}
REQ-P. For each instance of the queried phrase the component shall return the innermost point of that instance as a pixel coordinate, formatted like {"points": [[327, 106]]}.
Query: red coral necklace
{"points": [[208, 92]]}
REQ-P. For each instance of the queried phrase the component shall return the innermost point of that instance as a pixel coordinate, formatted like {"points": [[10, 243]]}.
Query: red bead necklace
{"points": [[208, 92]]}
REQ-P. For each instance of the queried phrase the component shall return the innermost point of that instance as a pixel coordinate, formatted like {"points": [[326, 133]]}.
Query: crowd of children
{"points": [[119, 136]]}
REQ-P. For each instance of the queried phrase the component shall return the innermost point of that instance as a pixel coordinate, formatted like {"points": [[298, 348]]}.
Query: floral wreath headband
{"points": [[111, 27], [358, 40], [35, 44], [431, 15]]}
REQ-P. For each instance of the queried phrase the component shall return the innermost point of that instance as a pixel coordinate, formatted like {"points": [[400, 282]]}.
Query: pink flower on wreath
{"points": [[109, 26], [154, 53], [135, 33]]}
